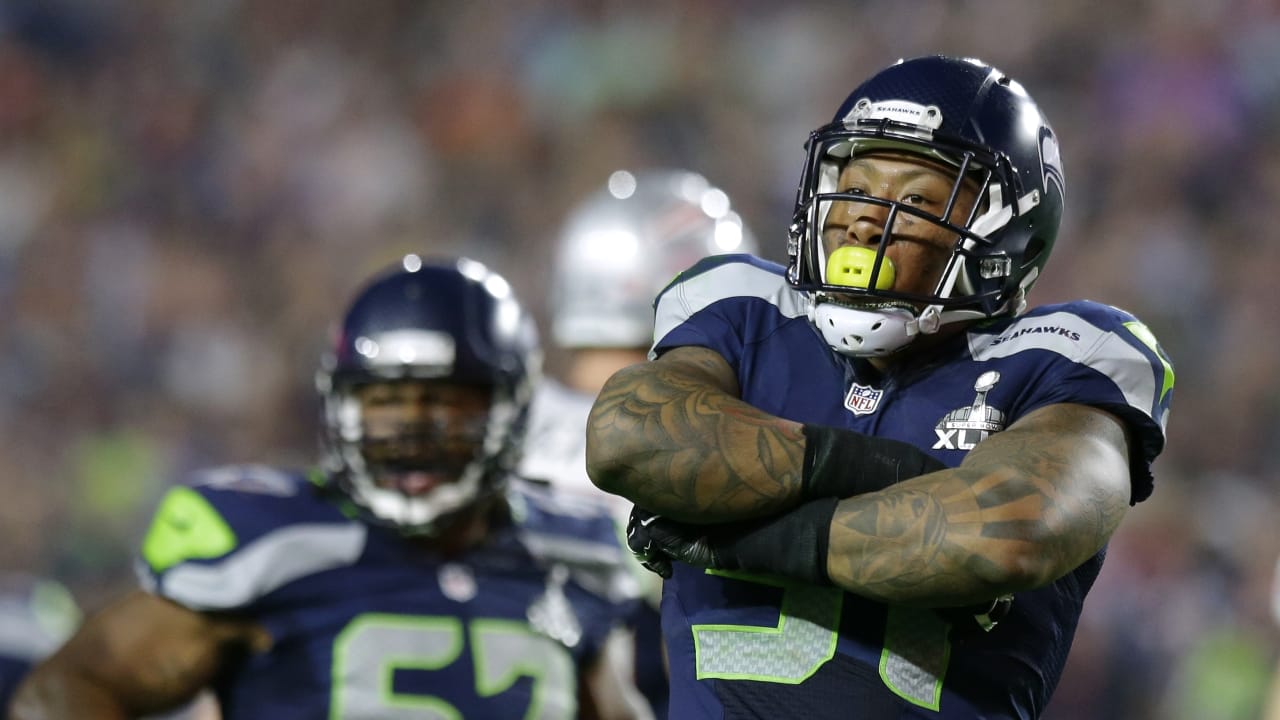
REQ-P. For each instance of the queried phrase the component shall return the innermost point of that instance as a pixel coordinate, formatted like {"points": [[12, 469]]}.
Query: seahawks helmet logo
{"points": [[1051, 161]]}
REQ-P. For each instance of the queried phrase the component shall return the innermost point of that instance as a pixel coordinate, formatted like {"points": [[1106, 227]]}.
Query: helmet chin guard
{"points": [[871, 333], [859, 332], [428, 515]]}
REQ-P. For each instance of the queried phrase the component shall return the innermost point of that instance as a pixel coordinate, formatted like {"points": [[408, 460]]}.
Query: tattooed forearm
{"points": [[1027, 506], [673, 438]]}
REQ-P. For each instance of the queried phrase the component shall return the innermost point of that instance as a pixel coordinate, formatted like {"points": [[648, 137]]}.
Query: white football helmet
{"points": [[620, 246]]}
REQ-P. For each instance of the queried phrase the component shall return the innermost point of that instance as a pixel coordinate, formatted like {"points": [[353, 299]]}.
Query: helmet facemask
{"points": [[417, 471], [857, 305]]}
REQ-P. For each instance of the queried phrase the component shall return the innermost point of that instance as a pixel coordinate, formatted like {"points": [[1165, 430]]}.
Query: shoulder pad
{"points": [[185, 527], [236, 534], [1107, 347], [1107, 339], [722, 277], [259, 479]]}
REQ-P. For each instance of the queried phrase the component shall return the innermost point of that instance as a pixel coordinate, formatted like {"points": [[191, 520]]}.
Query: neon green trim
{"points": [[318, 477], [522, 653], [807, 639], [912, 639], [186, 527], [1143, 333]]}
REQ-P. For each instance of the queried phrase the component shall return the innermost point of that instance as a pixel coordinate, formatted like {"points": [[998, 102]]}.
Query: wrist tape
{"points": [[842, 463]]}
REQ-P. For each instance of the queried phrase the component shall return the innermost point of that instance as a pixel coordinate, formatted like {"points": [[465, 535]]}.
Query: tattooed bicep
{"points": [[1062, 429], [1064, 445], [700, 364]]}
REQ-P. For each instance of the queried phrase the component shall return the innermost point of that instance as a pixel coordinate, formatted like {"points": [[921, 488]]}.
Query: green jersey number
{"points": [[372, 647], [912, 664]]}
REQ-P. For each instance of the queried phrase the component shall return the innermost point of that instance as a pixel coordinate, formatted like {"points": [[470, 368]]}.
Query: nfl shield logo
{"points": [[862, 399]]}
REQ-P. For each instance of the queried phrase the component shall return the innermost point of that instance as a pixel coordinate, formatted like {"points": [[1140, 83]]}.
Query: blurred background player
{"points": [[36, 616], [408, 572], [616, 250]]}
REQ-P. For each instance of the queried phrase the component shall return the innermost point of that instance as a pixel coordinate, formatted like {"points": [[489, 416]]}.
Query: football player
{"points": [[879, 483], [410, 575], [617, 248]]}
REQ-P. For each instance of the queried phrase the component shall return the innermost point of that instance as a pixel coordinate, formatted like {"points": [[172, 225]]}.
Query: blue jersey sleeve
{"points": [[1099, 356]]}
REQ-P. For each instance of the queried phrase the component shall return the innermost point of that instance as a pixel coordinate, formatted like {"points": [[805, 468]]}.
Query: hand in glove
{"points": [[655, 541], [793, 544]]}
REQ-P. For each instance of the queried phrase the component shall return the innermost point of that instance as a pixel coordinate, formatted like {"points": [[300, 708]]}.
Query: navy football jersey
{"points": [[368, 624], [745, 646]]}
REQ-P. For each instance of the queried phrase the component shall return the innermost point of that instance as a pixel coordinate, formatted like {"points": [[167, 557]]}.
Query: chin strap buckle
{"points": [[927, 323]]}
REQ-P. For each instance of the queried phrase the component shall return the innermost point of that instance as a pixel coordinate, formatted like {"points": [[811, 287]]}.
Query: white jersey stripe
{"points": [[1081, 342], [731, 279], [264, 565], [1132, 372]]}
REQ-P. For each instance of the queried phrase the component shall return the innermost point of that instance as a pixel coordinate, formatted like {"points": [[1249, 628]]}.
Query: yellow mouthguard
{"points": [[851, 267]]}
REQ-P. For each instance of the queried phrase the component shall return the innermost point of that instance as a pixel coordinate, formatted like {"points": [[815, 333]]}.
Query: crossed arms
{"points": [[1025, 507]]}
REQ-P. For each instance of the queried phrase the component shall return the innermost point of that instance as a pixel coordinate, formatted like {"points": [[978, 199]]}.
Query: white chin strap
{"points": [[416, 515], [419, 514], [875, 333]]}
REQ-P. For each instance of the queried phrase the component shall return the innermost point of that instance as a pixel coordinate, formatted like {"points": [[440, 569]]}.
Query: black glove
{"points": [[642, 544], [986, 615], [656, 541], [793, 544]]}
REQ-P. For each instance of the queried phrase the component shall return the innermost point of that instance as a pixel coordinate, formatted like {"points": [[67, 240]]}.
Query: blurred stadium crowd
{"points": [[187, 189]]}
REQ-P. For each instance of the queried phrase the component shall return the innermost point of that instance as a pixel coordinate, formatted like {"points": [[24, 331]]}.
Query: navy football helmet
{"points": [[971, 118], [445, 322]]}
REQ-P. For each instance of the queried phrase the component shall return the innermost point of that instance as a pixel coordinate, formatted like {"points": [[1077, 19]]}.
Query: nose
{"points": [[864, 223]]}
